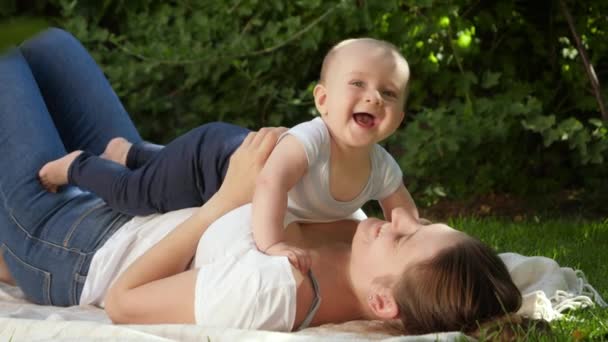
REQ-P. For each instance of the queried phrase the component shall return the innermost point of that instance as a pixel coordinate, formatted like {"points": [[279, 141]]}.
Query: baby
{"points": [[321, 170], [327, 168]]}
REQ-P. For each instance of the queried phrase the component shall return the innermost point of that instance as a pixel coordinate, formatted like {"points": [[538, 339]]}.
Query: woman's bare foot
{"points": [[5, 274], [55, 173], [117, 150]]}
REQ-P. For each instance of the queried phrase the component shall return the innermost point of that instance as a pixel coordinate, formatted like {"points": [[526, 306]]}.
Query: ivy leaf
{"points": [[490, 79], [570, 125], [550, 137], [538, 123], [596, 122]]}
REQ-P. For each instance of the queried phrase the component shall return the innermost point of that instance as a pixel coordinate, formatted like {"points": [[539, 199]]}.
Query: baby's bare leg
{"points": [[5, 274], [117, 150], [55, 173]]}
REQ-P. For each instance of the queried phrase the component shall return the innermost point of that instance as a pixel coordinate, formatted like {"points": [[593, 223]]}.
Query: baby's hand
{"points": [[298, 257]]}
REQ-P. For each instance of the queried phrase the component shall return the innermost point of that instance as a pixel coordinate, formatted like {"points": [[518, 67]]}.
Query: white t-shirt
{"points": [[239, 286], [311, 199], [236, 287], [128, 243]]}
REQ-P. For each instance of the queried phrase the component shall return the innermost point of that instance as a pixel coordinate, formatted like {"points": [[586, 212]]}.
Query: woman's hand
{"points": [[246, 163]]}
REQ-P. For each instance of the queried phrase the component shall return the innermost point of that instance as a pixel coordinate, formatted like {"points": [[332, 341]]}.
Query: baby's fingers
{"points": [[293, 259], [304, 260]]}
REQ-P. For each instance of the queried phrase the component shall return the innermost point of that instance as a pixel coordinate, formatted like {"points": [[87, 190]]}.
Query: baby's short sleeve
{"points": [[312, 135], [388, 177]]}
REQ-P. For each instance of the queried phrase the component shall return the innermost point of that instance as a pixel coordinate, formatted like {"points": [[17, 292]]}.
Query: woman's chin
{"points": [[362, 239], [362, 227]]}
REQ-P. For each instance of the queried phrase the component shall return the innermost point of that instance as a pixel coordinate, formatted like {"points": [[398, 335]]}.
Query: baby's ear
{"points": [[320, 94]]}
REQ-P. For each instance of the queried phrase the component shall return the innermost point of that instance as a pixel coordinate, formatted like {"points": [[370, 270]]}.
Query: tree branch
{"points": [[595, 83], [290, 39], [248, 54]]}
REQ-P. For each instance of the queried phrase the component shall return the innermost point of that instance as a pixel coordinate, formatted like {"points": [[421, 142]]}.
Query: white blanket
{"points": [[548, 290]]}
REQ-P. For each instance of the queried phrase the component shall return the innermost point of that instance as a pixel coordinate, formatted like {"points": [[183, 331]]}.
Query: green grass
{"points": [[580, 244]]}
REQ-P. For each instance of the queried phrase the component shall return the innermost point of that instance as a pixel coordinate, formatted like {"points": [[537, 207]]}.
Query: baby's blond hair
{"points": [[331, 55]]}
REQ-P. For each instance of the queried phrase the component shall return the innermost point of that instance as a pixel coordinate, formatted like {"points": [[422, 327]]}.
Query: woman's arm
{"points": [[156, 288]]}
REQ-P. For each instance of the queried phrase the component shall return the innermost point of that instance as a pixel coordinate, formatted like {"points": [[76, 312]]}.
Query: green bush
{"points": [[500, 100]]}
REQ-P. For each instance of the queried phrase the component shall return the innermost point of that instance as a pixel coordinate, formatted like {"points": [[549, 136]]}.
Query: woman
{"points": [[61, 248]]}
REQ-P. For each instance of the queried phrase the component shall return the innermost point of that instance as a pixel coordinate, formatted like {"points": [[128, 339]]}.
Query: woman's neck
{"points": [[339, 302]]}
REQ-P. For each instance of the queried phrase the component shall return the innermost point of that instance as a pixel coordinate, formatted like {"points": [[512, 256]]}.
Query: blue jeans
{"points": [[53, 99]]}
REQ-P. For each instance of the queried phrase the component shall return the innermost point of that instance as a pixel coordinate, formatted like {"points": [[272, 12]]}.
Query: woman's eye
{"points": [[357, 83]]}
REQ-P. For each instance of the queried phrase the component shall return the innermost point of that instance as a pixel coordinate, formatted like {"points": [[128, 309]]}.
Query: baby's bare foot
{"points": [[117, 150], [55, 173]]}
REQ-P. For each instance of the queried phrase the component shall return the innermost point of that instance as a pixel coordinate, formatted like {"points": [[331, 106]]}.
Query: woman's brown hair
{"points": [[460, 289]]}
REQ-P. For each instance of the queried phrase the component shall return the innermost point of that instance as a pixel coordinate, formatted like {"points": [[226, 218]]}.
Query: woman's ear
{"points": [[320, 95], [382, 303]]}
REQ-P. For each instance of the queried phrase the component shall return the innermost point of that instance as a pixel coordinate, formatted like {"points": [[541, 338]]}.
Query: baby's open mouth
{"points": [[364, 119]]}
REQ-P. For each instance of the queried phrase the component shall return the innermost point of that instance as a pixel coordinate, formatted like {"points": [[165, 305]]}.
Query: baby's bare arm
{"points": [[401, 198], [285, 166]]}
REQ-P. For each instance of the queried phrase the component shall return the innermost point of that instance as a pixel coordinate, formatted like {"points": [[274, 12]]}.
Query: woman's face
{"points": [[382, 248]]}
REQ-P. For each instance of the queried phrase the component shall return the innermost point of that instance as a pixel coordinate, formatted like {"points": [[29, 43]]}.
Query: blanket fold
{"points": [[548, 289]]}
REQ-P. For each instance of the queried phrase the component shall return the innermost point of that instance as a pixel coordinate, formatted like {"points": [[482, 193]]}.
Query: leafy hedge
{"points": [[500, 99]]}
